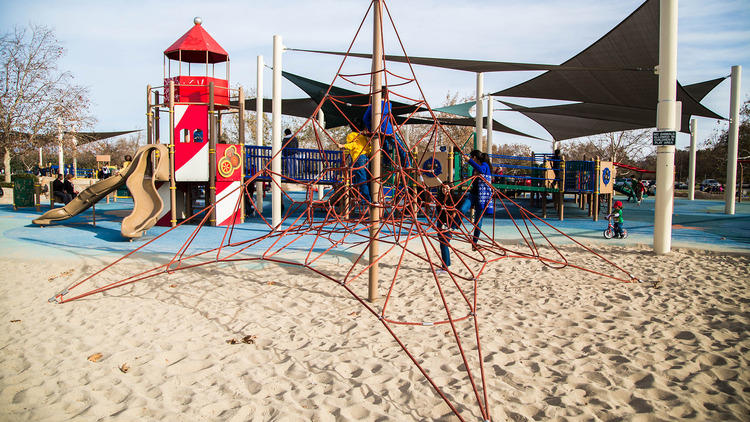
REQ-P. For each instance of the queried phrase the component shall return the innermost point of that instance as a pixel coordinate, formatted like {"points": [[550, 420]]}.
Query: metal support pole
{"points": [[490, 123], [691, 166], [479, 112], [212, 129], [41, 162], [149, 117], [259, 129], [730, 189], [666, 119], [172, 182], [241, 142], [375, 184], [276, 135], [157, 134], [60, 162]]}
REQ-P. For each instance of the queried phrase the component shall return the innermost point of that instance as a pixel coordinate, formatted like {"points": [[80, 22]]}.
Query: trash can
{"points": [[24, 190]]}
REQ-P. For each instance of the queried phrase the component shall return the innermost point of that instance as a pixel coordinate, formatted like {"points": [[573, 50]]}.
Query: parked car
{"points": [[680, 185], [711, 185]]}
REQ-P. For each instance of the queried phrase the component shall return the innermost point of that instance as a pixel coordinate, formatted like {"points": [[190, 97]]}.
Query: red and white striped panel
{"points": [[191, 158], [166, 212], [227, 196]]}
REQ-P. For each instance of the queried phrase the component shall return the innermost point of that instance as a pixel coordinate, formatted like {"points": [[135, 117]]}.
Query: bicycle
{"points": [[609, 232]]}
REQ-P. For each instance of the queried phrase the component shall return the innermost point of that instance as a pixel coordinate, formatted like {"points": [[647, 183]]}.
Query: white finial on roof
{"points": [[197, 20]]}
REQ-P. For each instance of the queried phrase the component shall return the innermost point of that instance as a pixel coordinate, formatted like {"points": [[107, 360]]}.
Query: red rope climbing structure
{"points": [[416, 222]]}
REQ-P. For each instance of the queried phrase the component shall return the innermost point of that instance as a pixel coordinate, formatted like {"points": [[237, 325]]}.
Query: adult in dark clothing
{"points": [[480, 196], [289, 145], [58, 190]]}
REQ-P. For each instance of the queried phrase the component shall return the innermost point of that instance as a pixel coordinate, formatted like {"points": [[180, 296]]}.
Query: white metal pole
{"points": [[666, 119], [479, 112], [60, 169], [734, 127], [691, 169], [75, 157], [276, 134], [490, 123], [259, 128], [41, 163], [322, 123]]}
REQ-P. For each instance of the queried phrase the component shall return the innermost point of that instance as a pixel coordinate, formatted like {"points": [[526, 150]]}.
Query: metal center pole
{"points": [[375, 184]]}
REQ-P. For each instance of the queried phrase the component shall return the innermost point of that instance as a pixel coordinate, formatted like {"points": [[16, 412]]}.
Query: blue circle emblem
{"points": [[606, 176], [432, 167]]}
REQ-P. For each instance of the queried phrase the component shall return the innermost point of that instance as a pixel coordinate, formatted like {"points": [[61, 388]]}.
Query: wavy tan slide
{"points": [[146, 202]]}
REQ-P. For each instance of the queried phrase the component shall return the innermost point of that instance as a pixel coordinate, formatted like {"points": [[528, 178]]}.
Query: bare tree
{"points": [[627, 146], [37, 100]]}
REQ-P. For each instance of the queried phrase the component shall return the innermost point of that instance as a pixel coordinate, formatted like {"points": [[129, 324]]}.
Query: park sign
{"points": [[665, 137]]}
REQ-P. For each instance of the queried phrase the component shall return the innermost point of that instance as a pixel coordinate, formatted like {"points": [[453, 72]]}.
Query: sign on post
{"points": [[665, 137]]}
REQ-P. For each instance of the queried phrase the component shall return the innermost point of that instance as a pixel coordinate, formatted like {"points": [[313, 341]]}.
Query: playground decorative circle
{"points": [[606, 175]]}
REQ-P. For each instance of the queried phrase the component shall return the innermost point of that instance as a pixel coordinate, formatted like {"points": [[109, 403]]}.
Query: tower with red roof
{"points": [[195, 97]]}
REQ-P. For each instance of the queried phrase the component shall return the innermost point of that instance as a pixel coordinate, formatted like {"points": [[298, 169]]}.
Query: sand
{"points": [[557, 344]]}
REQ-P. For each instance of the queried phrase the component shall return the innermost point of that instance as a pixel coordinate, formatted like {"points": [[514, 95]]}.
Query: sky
{"points": [[115, 48]]}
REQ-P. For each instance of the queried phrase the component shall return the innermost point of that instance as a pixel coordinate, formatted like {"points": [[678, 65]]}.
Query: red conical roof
{"points": [[194, 45]]}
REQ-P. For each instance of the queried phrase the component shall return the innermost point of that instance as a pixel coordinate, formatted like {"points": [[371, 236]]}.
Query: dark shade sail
{"points": [[477, 66], [584, 119], [634, 43], [297, 107], [83, 138], [576, 120], [344, 104]]}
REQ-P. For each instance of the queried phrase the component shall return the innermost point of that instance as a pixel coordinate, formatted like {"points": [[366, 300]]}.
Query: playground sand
{"points": [[557, 344]]}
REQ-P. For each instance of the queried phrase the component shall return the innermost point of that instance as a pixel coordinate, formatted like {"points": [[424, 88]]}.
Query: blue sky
{"points": [[116, 48]]}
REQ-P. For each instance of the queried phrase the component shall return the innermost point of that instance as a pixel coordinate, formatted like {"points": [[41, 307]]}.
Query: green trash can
{"points": [[24, 190]]}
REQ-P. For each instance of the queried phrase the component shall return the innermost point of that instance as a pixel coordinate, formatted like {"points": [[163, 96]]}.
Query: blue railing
{"points": [[68, 169], [297, 164], [537, 170]]}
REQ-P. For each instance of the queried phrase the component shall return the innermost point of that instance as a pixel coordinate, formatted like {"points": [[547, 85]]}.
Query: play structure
{"points": [[166, 181], [403, 224]]}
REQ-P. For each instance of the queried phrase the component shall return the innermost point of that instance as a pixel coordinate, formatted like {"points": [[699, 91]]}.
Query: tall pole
{"points": [[734, 129], [375, 184], [490, 123], [157, 129], [259, 129], [212, 136], [149, 117], [60, 169], [691, 168], [666, 119], [276, 135], [322, 123], [479, 112], [172, 182], [241, 141], [75, 158], [41, 162]]}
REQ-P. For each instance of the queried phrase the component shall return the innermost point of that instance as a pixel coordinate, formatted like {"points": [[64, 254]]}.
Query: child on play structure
{"points": [[618, 219], [448, 201], [358, 147], [391, 139], [480, 196]]}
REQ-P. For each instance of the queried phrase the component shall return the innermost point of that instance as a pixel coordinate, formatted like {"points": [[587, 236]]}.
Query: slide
{"points": [[146, 202]]}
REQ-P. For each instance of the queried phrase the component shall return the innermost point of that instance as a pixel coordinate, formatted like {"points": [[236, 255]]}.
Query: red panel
{"points": [[184, 152], [194, 89], [228, 163]]}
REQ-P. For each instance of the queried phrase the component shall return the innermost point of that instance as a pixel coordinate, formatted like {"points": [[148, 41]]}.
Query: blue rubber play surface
{"points": [[699, 224]]}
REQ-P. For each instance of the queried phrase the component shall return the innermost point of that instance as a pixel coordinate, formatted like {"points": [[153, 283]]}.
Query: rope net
{"points": [[417, 222]]}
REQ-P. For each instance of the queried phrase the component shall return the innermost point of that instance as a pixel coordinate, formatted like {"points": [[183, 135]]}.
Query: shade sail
{"points": [[634, 43], [197, 46], [583, 119], [88, 137], [477, 66], [344, 106], [577, 120], [297, 107]]}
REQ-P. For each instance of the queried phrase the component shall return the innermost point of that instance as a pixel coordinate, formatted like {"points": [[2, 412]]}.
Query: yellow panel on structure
{"points": [[606, 175]]}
